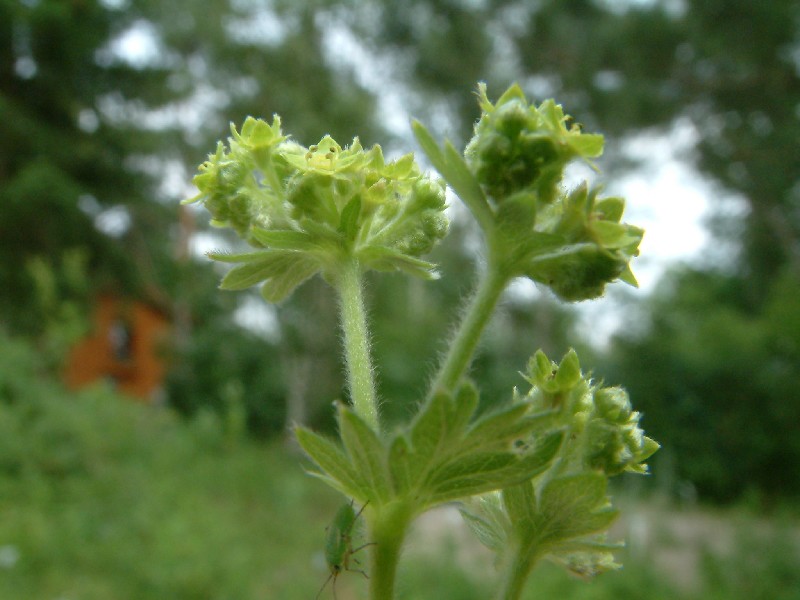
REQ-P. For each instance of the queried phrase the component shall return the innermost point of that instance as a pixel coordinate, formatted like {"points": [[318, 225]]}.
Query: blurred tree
{"points": [[721, 352], [68, 165], [101, 103]]}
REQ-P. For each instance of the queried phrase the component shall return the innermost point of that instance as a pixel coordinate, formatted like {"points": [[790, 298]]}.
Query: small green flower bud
{"points": [[578, 272], [569, 371], [613, 404], [427, 194], [610, 209], [511, 118], [615, 440]]}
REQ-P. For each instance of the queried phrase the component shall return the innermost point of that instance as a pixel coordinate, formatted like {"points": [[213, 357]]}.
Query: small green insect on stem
{"points": [[339, 545]]}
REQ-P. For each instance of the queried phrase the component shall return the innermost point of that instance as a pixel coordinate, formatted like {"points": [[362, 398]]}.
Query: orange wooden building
{"points": [[124, 347]]}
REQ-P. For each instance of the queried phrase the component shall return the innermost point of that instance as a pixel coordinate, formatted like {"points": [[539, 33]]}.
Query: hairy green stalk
{"points": [[516, 575], [387, 530], [360, 377], [476, 317]]}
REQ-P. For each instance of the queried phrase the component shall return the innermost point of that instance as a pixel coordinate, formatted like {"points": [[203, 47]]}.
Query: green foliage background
{"points": [[101, 497]]}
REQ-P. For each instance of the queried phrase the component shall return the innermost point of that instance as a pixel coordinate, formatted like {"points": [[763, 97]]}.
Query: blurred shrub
{"points": [[102, 497], [233, 373], [717, 381]]}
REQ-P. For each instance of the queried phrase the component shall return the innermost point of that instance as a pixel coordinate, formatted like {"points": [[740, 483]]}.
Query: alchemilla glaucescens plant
{"points": [[531, 476]]}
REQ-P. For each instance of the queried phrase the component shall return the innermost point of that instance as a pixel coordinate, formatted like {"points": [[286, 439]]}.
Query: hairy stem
{"points": [[360, 377], [517, 574], [476, 318], [387, 531]]}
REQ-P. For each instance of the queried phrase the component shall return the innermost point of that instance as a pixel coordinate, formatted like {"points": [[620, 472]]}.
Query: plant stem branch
{"points": [[360, 377], [517, 574], [387, 530], [477, 316]]}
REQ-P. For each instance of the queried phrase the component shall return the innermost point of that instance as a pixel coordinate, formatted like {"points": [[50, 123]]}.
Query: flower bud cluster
{"points": [[603, 432], [596, 248], [518, 147], [237, 183], [325, 202], [573, 242]]}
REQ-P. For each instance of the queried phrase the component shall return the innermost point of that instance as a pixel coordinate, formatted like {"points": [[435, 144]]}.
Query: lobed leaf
{"points": [[382, 258], [251, 273], [486, 519], [575, 505], [444, 457], [330, 457], [367, 453], [283, 239], [245, 257], [281, 284], [399, 465]]}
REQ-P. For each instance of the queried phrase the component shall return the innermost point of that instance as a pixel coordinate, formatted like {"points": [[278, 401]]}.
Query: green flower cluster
{"points": [[312, 209], [603, 432], [563, 513], [595, 247], [518, 147], [572, 242]]}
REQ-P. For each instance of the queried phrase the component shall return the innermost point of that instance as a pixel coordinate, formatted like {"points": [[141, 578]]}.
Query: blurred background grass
{"points": [[106, 108], [103, 498]]}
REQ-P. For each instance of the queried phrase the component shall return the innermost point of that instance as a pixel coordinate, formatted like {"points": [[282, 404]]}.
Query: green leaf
{"points": [[519, 502], [249, 274], [283, 239], [428, 433], [476, 474], [330, 457], [498, 427], [399, 454], [485, 518], [246, 257], [282, 284], [574, 506], [444, 457], [466, 402], [382, 258], [348, 224], [473, 466], [455, 171], [367, 453], [481, 472]]}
